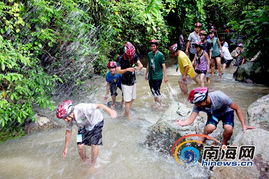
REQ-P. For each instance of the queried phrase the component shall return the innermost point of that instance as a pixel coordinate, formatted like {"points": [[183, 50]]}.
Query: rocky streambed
{"points": [[165, 132]]}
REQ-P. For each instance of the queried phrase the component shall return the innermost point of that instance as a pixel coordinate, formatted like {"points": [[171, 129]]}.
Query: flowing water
{"points": [[122, 155]]}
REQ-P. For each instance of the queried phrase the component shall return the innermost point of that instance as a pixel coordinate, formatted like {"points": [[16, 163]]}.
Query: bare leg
{"points": [[224, 66], [82, 152], [218, 59], [183, 86], [128, 106], [228, 132], [126, 109], [157, 100], [209, 128], [212, 65], [113, 100], [202, 79], [94, 153]]}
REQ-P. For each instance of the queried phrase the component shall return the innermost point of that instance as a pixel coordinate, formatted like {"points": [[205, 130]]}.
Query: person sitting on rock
{"points": [[89, 120], [113, 83], [219, 107]]}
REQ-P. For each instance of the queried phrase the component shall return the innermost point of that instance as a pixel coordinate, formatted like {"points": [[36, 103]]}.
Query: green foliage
{"points": [[75, 38], [23, 84]]}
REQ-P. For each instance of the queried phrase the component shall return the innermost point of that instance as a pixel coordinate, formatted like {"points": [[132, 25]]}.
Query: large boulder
{"points": [[258, 138], [165, 132], [258, 113], [41, 123], [254, 70]]}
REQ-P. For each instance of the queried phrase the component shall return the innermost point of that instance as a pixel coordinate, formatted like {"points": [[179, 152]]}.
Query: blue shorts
{"points": [[227, 119]]}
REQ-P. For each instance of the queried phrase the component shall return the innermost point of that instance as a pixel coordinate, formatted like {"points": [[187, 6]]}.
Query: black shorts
{"points": [[223, 60], [155, 86], [227, 119], [113, 89], [201, 71], [215, 57], [92, 137], [228, 62], [191, 56]]}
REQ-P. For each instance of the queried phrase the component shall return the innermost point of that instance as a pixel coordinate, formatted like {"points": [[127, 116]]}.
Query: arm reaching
{"points": [[139, 65], [240, 116], [189, 121], [67, 141], [110, 111]]}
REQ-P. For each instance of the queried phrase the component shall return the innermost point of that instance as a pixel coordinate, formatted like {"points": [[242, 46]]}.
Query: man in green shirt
{"points": [[156, 70]]}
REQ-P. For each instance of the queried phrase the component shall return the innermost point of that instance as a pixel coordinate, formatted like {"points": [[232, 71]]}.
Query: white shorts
{"points": [[129, 92]]}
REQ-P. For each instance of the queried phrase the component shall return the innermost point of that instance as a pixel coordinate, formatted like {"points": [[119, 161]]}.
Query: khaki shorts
{"points": [[129, 92]]}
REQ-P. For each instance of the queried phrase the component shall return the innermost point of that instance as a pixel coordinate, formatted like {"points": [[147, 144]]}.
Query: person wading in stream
{"points": [[207, 48], [156, 71], [89, 121], [113, 83], [219, 107], [192, 39], [201, 62], [128, 63], [217, 52], [185, 66]]}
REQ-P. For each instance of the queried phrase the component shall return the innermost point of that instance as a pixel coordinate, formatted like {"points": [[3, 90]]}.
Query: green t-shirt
{"points": [[155, 62], [214, 47]]}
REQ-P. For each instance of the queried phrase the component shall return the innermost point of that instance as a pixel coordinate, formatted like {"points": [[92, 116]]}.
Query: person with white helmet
{"points": [[89, 120], [219, 107], [185, 67]]}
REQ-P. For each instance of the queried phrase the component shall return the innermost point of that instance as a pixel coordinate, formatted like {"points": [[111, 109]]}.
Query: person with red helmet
{"points": [[113, 82], [201, 62], [128, 63], [89, 120], [192, 39], [219, 107], [156, 70], [185, 66]]}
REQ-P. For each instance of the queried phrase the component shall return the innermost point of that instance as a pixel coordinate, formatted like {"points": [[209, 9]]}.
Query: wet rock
{"points": [[165, 132], [258, 113], [252, 71], [235, 173], [258, 138], [41, 123], [262, 166]]}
